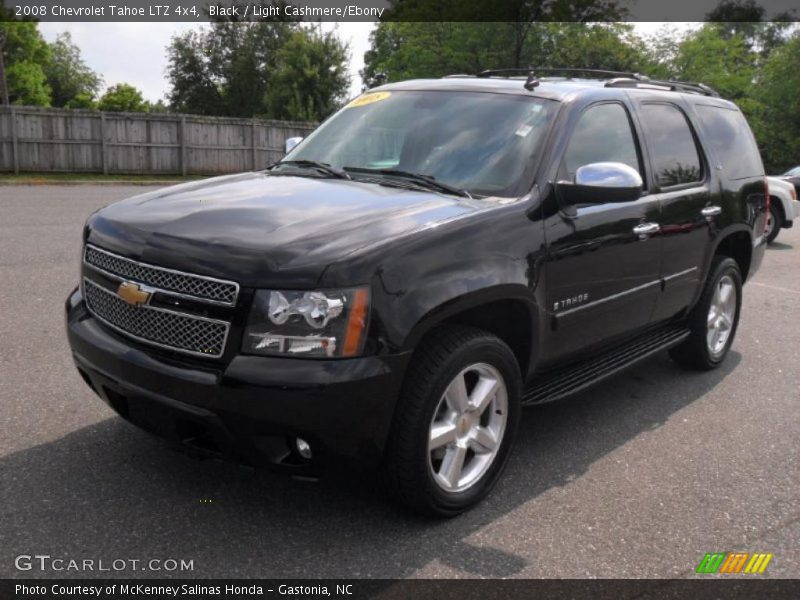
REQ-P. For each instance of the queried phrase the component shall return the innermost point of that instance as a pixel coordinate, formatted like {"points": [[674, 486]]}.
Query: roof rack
{"points": [[537, 70], [618, 79], [670, 85]]}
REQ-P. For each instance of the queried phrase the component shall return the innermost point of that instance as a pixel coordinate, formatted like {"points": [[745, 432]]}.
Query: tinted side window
{"points": [[603, 134], [733, 143], [671, 144]]}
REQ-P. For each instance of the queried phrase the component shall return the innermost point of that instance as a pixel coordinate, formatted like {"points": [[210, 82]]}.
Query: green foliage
{"points": [[194, 84], [27, 84], [24, 53], [81, 100], [157, 107], [777, 114], [749, 20], [67, 75], [122, 97], [409, 50], [522, 11], [225, 70], [727, 65], [311, 78], [612, 46], [272, 69]]}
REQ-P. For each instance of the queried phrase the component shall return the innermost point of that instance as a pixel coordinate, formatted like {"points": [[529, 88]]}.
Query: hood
{"points": [[256, 227]]}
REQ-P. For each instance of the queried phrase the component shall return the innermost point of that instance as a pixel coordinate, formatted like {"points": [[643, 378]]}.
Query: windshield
{"points": [[479, 142], [793, 172]]}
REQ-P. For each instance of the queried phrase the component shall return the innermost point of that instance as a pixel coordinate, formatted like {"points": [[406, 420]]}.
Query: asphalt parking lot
{"points": [[638, 477]]}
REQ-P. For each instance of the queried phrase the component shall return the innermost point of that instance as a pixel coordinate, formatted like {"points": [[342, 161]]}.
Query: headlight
{"points": [[329, 323]]}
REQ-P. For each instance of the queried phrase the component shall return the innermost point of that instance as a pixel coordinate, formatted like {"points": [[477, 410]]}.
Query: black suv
{"points": [[435, 256]]}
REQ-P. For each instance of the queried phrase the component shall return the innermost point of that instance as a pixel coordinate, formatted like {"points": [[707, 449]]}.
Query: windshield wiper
{"points": [[313, 164], [426, 180]]}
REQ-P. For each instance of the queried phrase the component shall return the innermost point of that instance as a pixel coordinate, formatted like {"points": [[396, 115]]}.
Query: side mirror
{"points": [[601, 183], [290, 143]]}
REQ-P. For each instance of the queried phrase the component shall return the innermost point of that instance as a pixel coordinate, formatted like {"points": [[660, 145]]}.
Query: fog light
{"points": [[303, 448]]}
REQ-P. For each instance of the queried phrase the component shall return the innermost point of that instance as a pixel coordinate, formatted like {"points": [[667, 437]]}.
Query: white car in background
{"points": [[784, 206]]}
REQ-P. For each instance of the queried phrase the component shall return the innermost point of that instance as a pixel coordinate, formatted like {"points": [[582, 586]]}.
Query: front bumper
{"points": [[250, 409]]}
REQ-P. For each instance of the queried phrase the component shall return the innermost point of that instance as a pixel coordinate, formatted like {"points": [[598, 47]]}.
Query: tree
{"points": [[311, 79], [122, 97], [279, 69], [194, 88], [419, 50], [157, 107], [727, 65], [777, 121], [225, 70], [82, 100], [603, 46], [748, 19], [67, 75], [508, 11], [410, 50], [24, 54]]}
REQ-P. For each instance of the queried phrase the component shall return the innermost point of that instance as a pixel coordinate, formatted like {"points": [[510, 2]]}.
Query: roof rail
{"points": [[670, 85], [617, 79], [571, 71], [532, 72]]}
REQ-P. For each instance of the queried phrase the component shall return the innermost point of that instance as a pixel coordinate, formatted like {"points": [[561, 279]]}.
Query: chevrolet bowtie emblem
{"points": [[132, 293]]}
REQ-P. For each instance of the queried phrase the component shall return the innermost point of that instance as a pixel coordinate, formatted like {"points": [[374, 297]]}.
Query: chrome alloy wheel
{"points": [[721, 315], [467, 428]]}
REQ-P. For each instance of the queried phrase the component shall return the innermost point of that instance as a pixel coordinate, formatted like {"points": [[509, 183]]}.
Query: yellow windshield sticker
{"points": [[369, 99]]}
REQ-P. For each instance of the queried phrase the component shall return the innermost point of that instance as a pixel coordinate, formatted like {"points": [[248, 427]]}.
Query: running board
{"points": [[563, 382]]}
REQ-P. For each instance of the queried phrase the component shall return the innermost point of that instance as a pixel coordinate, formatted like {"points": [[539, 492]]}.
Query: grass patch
{"points": [[92, 178]]}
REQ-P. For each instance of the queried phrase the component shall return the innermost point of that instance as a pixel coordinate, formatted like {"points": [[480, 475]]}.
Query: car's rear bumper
{"points": [[251, 409]]}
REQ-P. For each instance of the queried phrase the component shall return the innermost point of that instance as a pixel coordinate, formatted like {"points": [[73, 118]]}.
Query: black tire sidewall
{"points": [[726, 266], [487, 350], [777, 222]]}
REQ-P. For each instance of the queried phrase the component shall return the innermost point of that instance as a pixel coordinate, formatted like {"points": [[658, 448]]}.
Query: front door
{"points": [[602, 274]]}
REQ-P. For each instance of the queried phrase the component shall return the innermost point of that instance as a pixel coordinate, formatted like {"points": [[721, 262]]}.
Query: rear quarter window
{"points": [[727, 132]]}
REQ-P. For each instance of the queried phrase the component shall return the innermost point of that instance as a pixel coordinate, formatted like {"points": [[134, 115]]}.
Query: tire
{"points": [[774, 223], [428, 480], [702, 350]]}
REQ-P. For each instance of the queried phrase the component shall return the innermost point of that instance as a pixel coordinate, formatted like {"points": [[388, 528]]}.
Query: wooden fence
{"points": [[85, 141]]}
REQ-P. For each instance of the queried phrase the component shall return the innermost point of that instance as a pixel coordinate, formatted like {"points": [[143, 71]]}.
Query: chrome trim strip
{"points": [[680, 274], [626, 292], [616, 296], [164, 310], [157, 268]]}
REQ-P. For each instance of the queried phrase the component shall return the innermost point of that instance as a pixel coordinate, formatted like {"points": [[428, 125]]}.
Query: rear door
{"points": [[602, 278], [681, 182]]}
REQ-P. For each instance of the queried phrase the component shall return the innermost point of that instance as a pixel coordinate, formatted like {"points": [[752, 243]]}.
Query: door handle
{"points": [[711, 211], [645, 230]]}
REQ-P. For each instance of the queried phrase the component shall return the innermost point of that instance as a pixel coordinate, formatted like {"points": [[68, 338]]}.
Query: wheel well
{"points": [[775, 201], [739, 247], [509, 320]]}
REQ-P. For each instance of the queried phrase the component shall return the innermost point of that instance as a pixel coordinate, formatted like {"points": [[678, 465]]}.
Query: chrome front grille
{"points": [[186, 285], [183, 332]]}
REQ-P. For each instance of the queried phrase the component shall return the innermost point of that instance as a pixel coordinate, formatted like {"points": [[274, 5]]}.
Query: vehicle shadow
{"points": [[110, 491], [780, 246]]}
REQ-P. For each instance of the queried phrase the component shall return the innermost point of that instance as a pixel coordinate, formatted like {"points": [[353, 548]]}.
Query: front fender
{"points": [[422, 279], [442, 299]]}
